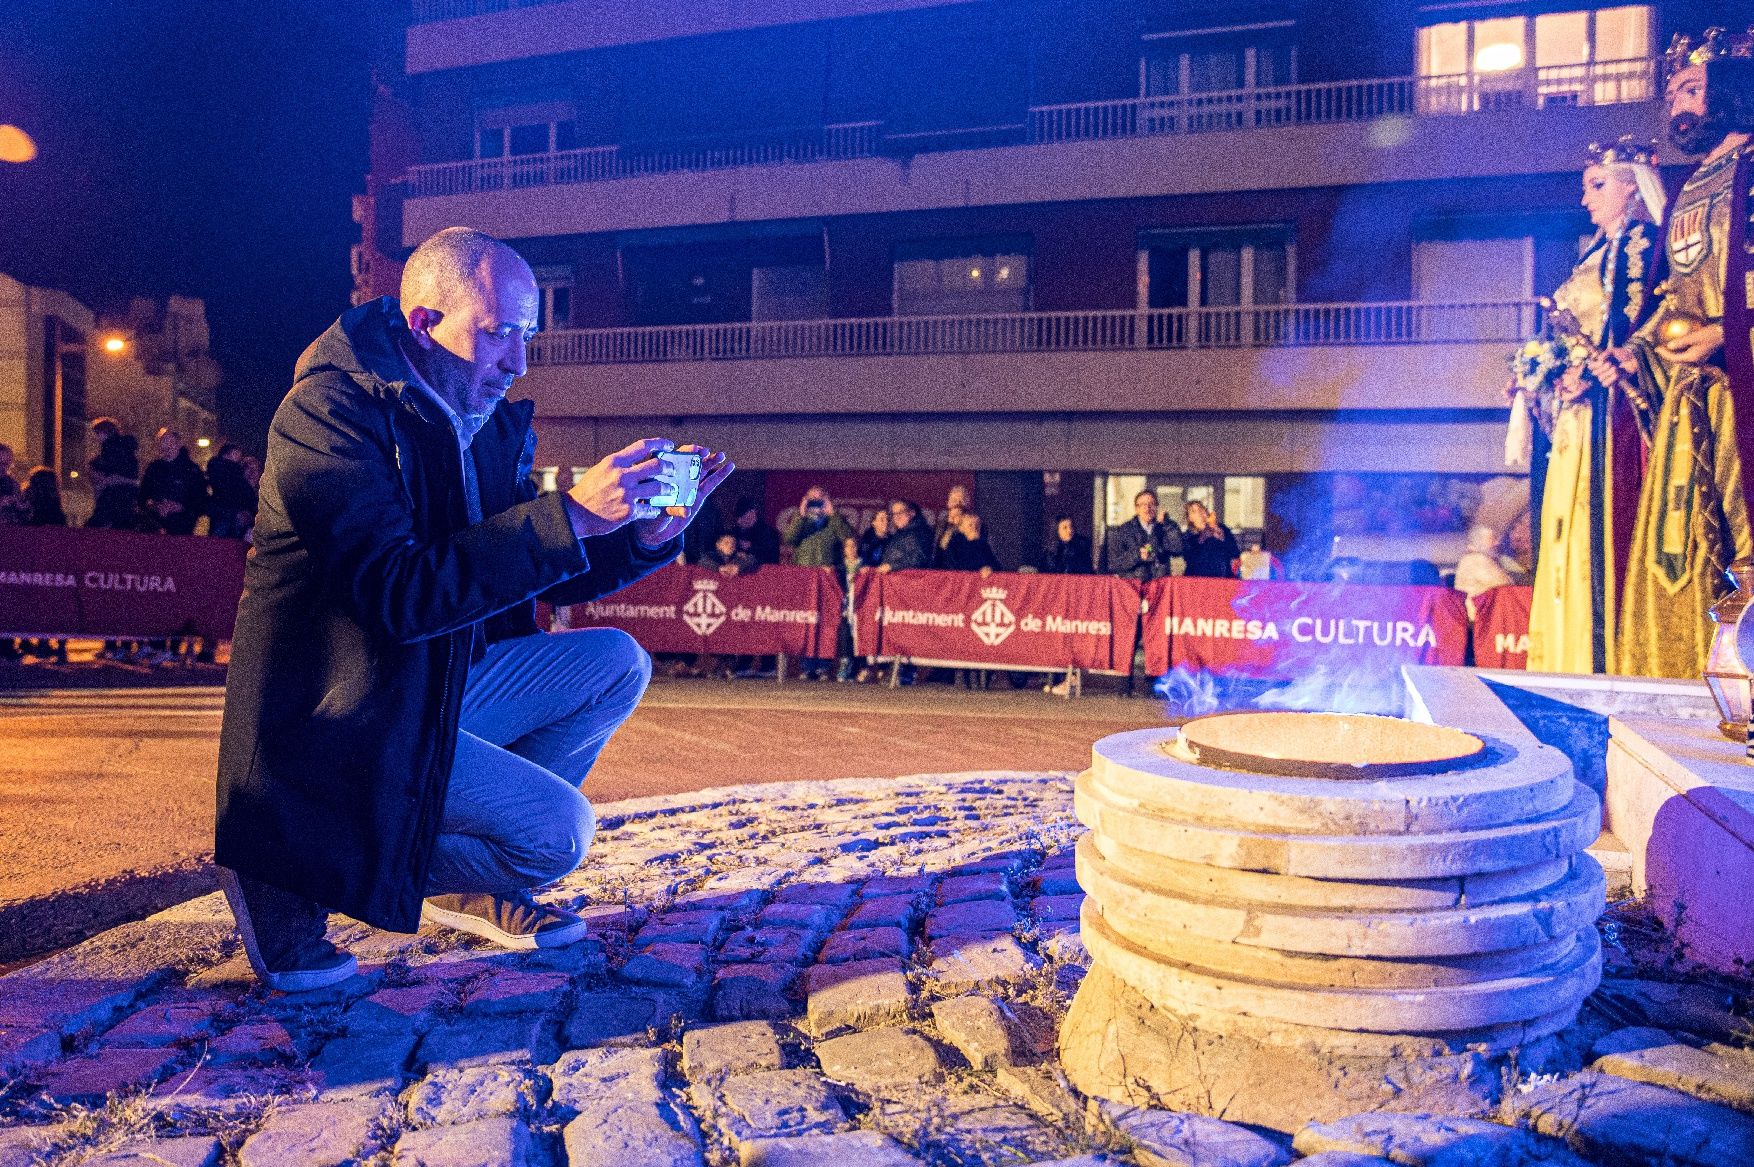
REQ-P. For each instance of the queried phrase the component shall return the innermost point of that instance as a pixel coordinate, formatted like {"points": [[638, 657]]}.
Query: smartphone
{"points": [[678, 474]]}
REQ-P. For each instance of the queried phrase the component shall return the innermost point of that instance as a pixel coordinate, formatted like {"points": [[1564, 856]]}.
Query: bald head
{"points": [[470, 303], [454, 263]]}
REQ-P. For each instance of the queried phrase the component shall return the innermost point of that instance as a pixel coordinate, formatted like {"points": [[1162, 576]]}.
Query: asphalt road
{"points": [[105, 790]]}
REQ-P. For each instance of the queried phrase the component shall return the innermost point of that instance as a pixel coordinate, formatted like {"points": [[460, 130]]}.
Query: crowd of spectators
{"points": [[901, 537], [170, 495]]}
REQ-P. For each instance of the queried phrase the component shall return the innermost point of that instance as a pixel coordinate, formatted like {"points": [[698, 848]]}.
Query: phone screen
{"points": [[679, 478]]}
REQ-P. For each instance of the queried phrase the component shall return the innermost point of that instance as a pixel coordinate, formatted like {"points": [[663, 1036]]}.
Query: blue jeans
{"points": [[536, 713]]}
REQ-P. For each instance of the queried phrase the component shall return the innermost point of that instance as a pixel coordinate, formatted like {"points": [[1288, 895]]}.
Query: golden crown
{"points": [[1716, 43], [1627, 151]]}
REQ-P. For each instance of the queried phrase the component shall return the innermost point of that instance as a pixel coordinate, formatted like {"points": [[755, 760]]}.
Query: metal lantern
{"points": [[1726, 667]]}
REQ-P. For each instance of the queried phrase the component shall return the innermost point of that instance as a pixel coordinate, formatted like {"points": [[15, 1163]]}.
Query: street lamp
{"points": [[16, 145], [115, 345]]}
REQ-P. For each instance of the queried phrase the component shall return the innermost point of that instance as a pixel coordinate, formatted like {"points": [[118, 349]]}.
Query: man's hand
{"points": [[609, 495], [729, 569], [1696, 347], [656, 528], [1612, 368]]}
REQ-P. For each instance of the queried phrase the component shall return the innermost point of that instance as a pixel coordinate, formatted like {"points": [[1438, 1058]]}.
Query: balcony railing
{"points": [[600, 163], [1276, 326], [1601, 83]]}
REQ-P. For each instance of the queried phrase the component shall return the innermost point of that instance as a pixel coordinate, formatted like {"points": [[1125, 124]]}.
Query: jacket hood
{"points": [[363, 345]]}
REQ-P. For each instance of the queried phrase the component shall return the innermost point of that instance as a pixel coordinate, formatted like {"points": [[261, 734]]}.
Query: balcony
{"points": [[1296, 357], [1567, 86], [1272, 326], [1293, 388], [1334, 134]]}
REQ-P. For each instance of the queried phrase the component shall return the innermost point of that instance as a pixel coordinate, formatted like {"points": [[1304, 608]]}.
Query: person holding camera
{"points": [[817, 537], [1142, 548], [398, 737]]}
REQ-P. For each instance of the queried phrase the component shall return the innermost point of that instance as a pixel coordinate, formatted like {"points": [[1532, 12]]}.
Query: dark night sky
{"points": [[202, 148]]}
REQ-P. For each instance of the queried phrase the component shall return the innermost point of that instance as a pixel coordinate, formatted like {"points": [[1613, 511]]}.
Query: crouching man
{"points": [[398, 736]]}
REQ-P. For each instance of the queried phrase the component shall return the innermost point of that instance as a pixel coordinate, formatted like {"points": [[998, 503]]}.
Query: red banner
{"points": [[1501, 628], [791, 610], [1025, 621], [70, 581], [1284, 631]]}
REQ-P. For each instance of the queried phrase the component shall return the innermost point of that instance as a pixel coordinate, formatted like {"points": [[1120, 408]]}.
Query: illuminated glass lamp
{"points": [[1732, 646], [1500, 57]]}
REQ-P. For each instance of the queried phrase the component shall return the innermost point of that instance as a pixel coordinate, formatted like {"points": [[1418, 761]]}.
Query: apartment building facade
{"points": [[1267, 255]]}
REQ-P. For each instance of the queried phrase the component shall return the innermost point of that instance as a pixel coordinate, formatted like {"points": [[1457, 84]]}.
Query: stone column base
{"points": [[1115, 1044]]}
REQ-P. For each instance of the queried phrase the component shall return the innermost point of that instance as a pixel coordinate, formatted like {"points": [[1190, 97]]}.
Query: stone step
{"points": [[1552, 914], [1147, 769], [1368, 857], [1203, 881], [1510, 999]]}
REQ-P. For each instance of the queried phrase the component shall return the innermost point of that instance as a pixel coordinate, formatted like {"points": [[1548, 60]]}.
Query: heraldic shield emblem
{"points": [[1689, 240], [704, 611], [992, 620]]}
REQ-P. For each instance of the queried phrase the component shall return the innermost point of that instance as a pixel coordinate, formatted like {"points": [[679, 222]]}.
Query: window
{"points": [[520, 131], [1224, 268], [1586, 57], [792, 292], [1245, 503], [555, 284], [1484, 271], [1209, 78], [952, 278]]}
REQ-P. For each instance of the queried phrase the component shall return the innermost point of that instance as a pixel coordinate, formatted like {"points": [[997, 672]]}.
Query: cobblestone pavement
{"points": [[852, 972]]}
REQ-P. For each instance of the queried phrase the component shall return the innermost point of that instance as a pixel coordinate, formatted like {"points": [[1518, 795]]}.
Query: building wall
{"points": [[26, 377]]}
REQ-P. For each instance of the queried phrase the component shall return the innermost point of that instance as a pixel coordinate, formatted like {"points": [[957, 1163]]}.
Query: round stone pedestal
{"points": [[1336, 944]]}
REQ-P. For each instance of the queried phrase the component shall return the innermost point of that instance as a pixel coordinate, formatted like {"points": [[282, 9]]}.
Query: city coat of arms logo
{"points": [[704, 611], [1689, 237], [992, 620]]}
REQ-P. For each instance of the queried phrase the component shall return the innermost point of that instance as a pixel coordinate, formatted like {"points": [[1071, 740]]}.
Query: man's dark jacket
{"points": [[1121, 550], [910, 546], [354, 633], [176, 480]]}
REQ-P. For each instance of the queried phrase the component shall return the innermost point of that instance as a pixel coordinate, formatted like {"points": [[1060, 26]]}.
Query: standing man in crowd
{"points": [[173, 491], [909, 545], [817, 537], [398, 737], [231, 499], [756, 537], [1208, 545], [115, 480], [1142, 548]]}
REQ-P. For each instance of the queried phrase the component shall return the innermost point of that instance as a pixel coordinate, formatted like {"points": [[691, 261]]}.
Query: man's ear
{"points": [[421, 322]]}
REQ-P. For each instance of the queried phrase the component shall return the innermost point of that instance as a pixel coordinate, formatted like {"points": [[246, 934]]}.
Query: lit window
{"points": [[942, 282], [1580, 57], [1498, 44]]}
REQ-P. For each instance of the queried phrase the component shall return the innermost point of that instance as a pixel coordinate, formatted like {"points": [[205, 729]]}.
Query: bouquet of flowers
{"points": [[1542, 360], [1536, 369]]}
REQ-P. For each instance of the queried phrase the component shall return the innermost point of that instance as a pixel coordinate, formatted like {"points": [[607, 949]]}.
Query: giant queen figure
{"points": [[1693, 363], [1589, 486]]}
